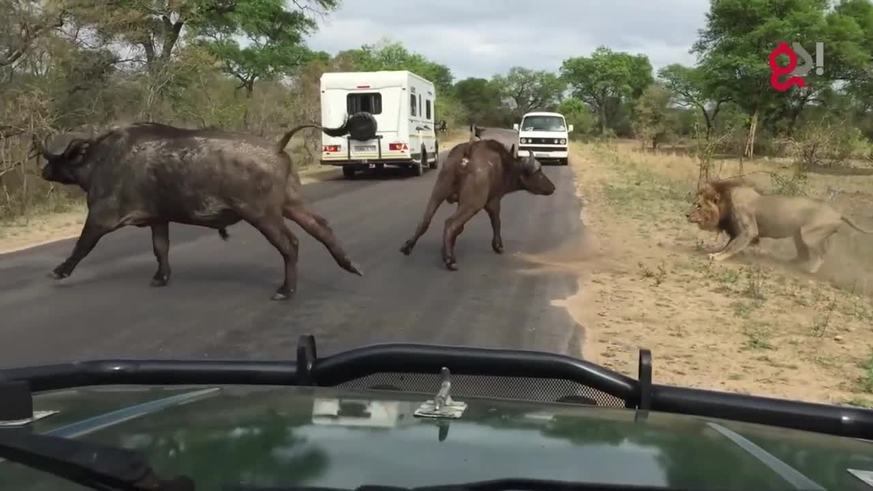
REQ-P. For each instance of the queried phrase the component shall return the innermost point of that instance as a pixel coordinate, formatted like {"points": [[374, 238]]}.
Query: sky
{"points": [[481, 38]]}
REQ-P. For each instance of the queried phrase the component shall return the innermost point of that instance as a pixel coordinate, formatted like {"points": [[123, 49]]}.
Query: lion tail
{"points": [[855, 225]]}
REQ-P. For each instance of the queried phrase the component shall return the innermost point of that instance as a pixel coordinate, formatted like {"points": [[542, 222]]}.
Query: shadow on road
{"points": [[386, 173]]}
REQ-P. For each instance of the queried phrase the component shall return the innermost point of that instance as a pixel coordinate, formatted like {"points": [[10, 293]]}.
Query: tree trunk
{"points": [[249, 85], [750, 142], [708, 122], [602, 118]]}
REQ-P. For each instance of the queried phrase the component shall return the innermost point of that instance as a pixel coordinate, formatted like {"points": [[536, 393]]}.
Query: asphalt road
{"points": [[217, 304]]}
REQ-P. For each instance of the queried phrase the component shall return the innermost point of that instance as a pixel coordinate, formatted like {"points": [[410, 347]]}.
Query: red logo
{"points": [[777, 71]]}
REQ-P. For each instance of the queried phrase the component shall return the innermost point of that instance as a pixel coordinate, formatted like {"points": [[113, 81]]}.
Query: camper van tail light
{"points": [[330, 148], [397, 147]]}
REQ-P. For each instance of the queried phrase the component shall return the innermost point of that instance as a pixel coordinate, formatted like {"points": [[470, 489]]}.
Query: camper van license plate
{"points": [[365, 148]]}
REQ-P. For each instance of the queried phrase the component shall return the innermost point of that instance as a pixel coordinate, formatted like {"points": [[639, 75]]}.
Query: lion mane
{"points": [[713, 210]]}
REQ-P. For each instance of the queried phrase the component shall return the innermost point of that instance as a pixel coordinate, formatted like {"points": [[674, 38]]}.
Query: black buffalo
{"points": [[148, 175], [476, 175]]}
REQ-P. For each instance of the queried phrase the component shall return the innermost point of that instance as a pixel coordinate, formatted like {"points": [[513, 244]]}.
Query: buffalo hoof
{"points": [[280, 295], [451, 265], [406, 249], [159, 281], [355, 269], [58, 274], [498, 248]]}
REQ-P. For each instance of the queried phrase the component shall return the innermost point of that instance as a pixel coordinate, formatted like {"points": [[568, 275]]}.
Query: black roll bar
{"points": [[310, 370], [153, 372]]}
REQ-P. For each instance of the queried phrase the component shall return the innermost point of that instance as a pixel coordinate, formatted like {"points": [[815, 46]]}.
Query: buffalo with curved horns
{"points": [[149, 174]]}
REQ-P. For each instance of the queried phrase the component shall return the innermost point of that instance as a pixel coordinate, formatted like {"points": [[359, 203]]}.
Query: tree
{"points": [[530, 90], [22, 23], [689, 88], [274, 41], [392, 55], [155, 27], [607, 78], [652, 118], [737, 41], [578, 114], [849, 28], [482, 100]]}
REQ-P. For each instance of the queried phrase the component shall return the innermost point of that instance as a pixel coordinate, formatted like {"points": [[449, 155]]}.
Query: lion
{"points": [[747, 215]]}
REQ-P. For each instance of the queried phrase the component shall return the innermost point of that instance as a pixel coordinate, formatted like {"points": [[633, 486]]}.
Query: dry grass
{"points": [[752, 324]]}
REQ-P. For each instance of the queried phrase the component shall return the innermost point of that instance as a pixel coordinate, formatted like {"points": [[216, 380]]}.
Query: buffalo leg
{"points": [[275, 231], [318, 227], [493, 209], [436, 199], [291, 264], [454, 227], [161, 246], [91, 234]]}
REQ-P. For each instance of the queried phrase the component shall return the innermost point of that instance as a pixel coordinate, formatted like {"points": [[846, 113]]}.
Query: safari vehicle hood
{"points": [[331, 437], [411, 415]]}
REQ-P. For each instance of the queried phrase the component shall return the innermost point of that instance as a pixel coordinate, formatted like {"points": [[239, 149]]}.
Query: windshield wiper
{"points": [[95, 466], [511, 484]]}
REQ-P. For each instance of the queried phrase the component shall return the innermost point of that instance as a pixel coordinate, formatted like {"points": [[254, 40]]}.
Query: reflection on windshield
{"points": [[543, 123]]}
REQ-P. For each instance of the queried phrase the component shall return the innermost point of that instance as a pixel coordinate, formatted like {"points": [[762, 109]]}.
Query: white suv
{"points": [[544, 134]]}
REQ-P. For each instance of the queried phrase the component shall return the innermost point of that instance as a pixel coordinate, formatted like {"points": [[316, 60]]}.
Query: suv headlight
{"points": [[563, 141], [523, 140]]}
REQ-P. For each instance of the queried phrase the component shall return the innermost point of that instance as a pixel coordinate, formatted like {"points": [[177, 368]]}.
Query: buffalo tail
{"points": [[283, 142]]}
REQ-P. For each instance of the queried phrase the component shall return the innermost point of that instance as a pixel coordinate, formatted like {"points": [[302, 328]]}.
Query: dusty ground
{"points": [[752, 324]]}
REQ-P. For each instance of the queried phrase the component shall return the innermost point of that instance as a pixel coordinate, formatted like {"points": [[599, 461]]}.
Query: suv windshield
{"points": [[543, 123]]}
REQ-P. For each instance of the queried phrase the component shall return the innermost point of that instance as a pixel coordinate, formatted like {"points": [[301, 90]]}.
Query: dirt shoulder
{"points": [[752, 324]]}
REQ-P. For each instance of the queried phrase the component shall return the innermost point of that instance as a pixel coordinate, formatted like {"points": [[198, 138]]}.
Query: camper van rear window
{"points": [[370, 102]]}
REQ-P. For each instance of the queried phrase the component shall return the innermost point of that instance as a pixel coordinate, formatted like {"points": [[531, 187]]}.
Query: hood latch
{"points": [[442, 406]]}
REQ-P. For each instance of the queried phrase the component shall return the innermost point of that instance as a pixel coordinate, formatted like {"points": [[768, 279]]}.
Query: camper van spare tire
{"points": [[362, 126]]}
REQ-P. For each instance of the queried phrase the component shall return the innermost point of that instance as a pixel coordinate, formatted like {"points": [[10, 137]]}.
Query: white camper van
{"points": [[545, 134], [403, 105]]}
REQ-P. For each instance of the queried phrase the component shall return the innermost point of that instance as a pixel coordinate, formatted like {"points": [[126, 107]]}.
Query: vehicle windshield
{"points": [[210, 180], [543, 123]]}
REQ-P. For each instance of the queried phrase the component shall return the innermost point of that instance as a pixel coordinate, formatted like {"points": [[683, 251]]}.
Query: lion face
{"points": [[705, 212]]}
